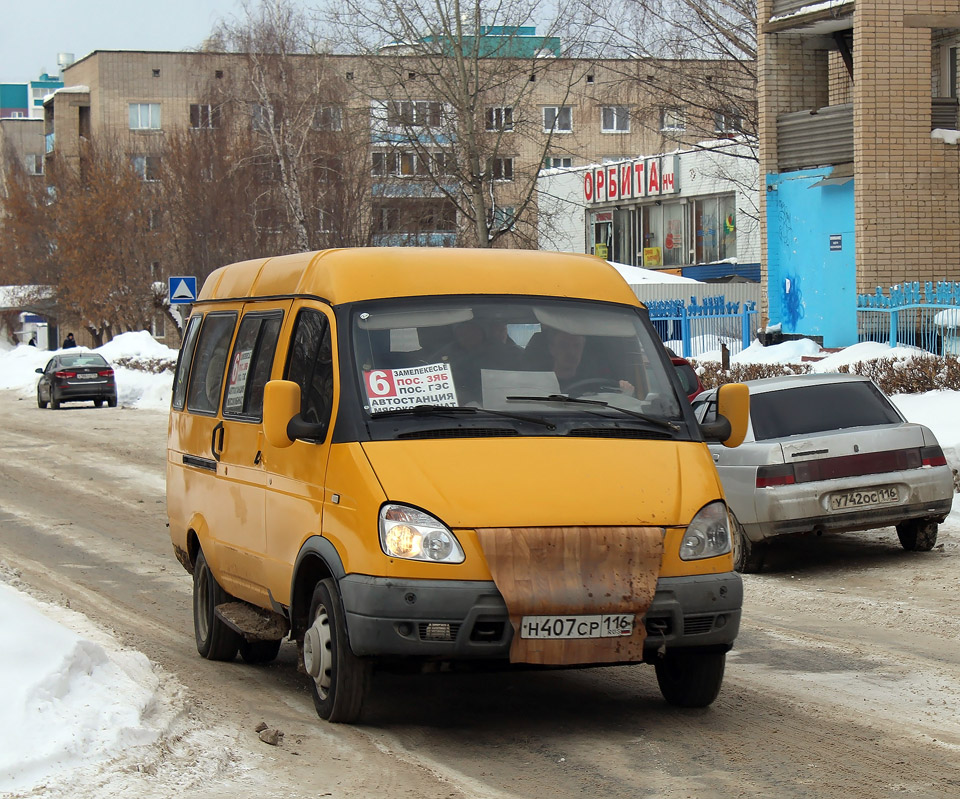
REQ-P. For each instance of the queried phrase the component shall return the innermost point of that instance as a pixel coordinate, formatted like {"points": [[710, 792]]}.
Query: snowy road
{"points": [[845, 681]]}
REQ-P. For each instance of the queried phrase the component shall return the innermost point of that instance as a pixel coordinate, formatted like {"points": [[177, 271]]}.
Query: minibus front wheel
{"points": [[338, 678], [690, 679]]}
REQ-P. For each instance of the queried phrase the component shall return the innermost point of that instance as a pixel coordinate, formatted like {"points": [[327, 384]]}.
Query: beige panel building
{"points": [[591, 111]]}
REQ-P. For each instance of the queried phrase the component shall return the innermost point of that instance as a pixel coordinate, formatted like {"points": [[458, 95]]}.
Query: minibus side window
{"points": [[183, 364], [206, 377], [250, 365], [311, 366]]}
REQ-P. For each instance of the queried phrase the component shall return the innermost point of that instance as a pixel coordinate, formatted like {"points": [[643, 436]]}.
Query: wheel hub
{"points": [[317, 654]]}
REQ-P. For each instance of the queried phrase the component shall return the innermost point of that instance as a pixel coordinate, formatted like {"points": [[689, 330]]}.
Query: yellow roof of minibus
{"points": [[348, 275]]}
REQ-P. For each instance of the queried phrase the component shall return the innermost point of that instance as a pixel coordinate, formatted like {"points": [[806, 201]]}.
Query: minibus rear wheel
{"points": [[338, 678], [691, 679], [215, 640]]}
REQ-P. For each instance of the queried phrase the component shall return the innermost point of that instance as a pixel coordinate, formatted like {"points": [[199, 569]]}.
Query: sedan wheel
{"points": [[917, 535], [41, 403], [338, 678], [747, 555], [54, 400]]}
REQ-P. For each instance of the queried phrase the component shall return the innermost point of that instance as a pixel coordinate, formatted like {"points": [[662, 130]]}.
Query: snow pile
{"points": [[637, 275], [136, 388], [68, 702]]}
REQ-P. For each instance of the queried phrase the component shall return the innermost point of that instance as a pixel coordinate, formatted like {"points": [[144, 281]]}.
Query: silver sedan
{"points": [[828, 453]]}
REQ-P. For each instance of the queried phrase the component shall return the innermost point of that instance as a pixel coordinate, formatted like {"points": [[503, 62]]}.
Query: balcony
{"points": [[808, 139], [944, 113], [809, 16]]}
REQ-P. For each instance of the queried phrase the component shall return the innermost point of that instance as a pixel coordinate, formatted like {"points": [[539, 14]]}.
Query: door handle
{"points": [[216, 444]]}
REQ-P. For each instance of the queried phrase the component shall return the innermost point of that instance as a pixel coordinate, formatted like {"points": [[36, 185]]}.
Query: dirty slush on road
{"points": [[845, 680]]}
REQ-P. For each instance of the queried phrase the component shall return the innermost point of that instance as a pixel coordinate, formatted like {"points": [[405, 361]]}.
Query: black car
{"points": [[76, 377]]}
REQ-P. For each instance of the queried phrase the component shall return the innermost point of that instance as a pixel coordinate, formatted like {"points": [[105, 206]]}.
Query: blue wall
{"points": [[811, 289]]}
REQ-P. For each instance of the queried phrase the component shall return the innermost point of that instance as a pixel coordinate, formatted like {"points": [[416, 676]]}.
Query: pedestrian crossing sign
{"points": [[182, 290]]}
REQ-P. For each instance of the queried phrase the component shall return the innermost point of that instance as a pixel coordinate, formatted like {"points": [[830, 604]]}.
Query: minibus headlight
{"points": [[411, 534], [708, 535]]}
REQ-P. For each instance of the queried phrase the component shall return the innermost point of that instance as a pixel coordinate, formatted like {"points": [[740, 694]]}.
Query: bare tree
{"points": [[291, 124], [103, 245], [697, 59], [449, 85]]}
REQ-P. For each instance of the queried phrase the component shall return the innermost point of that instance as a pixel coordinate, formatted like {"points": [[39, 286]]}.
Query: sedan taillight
{"points": [[64, 375], [105, 373], [932, 456], [780, 474]]}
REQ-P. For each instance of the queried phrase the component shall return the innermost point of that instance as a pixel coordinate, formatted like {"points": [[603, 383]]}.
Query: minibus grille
{"points": [[462, 432], [697, 625], [438, 631]]}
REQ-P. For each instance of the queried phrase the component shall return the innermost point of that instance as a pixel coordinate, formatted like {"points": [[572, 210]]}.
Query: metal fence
{"points": [[928, 318], [700, 326]]}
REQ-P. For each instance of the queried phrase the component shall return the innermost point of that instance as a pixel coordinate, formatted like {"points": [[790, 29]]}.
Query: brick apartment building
{"points": [[857, 104]]}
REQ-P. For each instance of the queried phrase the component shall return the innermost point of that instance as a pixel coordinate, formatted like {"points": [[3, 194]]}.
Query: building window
{"points": [[500, 118], [502, 217], [147, 167], [444, 164], [672, 119], [557, 161], [33, 163], [144, 116], [501, 168], [557, 119], [204, 115], [154, 222], [156, 73], [260, 116], [615, 119], [411, 113], [328, 117], [218, 73], [727, 122]]}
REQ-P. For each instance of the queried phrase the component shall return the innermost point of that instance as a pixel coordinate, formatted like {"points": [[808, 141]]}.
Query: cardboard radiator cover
{"points": [[575, 571]]}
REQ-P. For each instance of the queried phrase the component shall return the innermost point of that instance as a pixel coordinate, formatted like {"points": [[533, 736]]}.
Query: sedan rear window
{"points": [[87, 359], [816, 409]]}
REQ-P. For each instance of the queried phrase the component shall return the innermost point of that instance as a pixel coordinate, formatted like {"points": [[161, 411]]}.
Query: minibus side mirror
{"points": [[733, 412], [282, 423]]}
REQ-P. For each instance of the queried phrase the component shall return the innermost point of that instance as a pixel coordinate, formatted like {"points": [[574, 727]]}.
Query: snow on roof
{"points": [[635, 275]]}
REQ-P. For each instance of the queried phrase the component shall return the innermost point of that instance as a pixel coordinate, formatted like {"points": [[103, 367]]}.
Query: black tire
{"points": [[691, 679], [338, 678], [54, 401], [917, 535], [98, 403], [255, 652], [747, 555], [112, 401], [215, 640], [40, 402]]}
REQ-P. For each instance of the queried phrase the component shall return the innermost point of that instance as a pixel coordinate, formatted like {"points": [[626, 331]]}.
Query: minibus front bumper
{"points": [[466, 620]]}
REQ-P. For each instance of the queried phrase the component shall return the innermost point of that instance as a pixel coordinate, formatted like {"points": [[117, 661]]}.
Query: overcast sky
{"points": [[34, 31]]}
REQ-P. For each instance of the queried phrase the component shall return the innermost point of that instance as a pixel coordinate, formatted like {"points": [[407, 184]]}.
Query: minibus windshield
{"points": [[521, 355]]}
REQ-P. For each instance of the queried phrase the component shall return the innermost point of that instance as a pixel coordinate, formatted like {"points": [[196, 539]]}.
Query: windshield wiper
{"points": [[662, 423], [459, 410]]}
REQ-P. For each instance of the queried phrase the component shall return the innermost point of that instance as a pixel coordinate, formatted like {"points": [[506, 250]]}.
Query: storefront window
{"points": [[674, 252], [705, 232], [727, 227], [652, 251]]}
